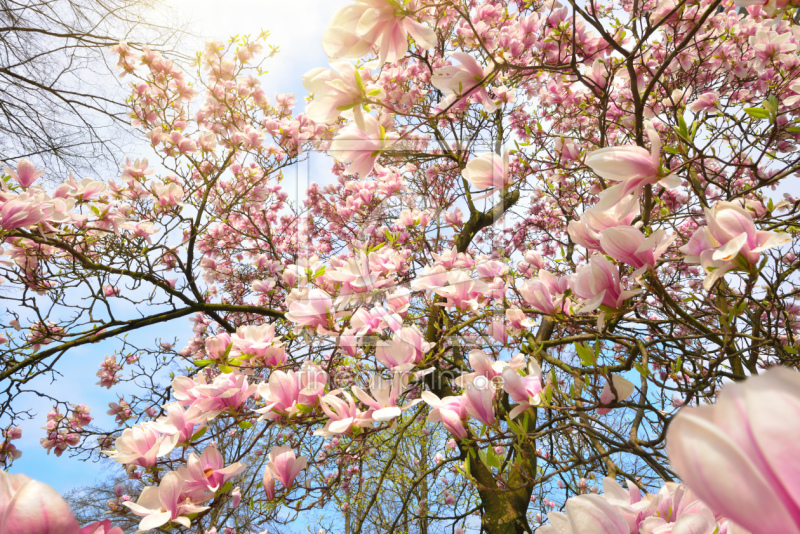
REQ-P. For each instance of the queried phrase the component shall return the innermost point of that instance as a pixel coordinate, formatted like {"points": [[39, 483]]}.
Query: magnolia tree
{"points": [[548, 227]]}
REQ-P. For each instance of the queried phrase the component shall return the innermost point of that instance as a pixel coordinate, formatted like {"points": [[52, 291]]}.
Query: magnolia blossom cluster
{"points": [[7, 449], [64, 431], [618, 511]]}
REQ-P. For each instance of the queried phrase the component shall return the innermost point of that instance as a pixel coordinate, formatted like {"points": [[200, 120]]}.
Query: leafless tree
{"points": [[61, 102]]}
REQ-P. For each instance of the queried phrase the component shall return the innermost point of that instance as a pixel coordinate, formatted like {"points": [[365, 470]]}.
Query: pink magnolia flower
{"points": [[729, 241], [228, 391], [357, 28], [281, 393], [597, 219], [486, 367], [598, 284], [268, 483], [462, 81], [259, 342], [337, 91], [587, 513], [361, 147], [383, 403], [488, 171], [632, 166], [674, 509], [523, 390], [24, 210], [285, 466], [342, 414], [545, 293], [629, 245], [217, 346], [312, 310], [462, 291], [31, 507], [236, 497], [623, 388], [142, 445], [739, 455], [396, 354], [180, 422], [708, 101], [479, 400], [26, 173], [206, 473], [450, 411], [164, 504]]}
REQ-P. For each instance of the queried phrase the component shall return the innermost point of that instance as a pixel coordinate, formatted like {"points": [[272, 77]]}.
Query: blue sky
{"points": [[296, 27]]}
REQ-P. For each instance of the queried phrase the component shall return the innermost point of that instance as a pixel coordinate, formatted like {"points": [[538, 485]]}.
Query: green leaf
{"points": [[199, 434], [225, 368], [644, 371], [203, 363], [304, 408], [793, 129], [585, 354], [359, 82], [757, 113], [244, 425]]}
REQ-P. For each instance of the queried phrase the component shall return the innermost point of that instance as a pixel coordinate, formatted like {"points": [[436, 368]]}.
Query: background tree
{"points": [[61, 105]]}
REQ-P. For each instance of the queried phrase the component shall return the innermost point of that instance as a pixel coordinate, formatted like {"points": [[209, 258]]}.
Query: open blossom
{"points": [[674, 509], [25, 174], [259, 342], [593, 222], [632, 166], [357, 28], [462, 291], [342, 414], [463, 80], [545, 293], [739, 455], [729, 241], [396, 354], [360, 147], [285, 466], [524, 390], [486, 367], [284, 391], [311, 309], [20, 211], [337, 90], [206, 473], [488, 171], [228, 391], [598, 283], [142, 445], [450, 411], [629, 245], [383, 402], [163, 504], [181, 422]]}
